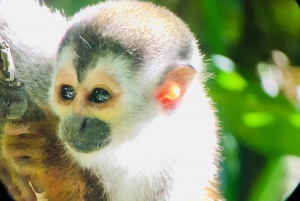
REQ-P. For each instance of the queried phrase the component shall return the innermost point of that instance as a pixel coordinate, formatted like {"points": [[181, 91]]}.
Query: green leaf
{"points": [[231, 81], [295, 120], [257, 119]]}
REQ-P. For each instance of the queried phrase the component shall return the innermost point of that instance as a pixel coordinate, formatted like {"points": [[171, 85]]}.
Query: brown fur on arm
{"points": [[31, 151]]}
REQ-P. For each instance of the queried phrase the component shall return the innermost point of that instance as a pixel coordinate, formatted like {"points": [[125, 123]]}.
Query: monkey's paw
{"points": [[33, 150], [24, 152], [13, 101], [24, 146]]}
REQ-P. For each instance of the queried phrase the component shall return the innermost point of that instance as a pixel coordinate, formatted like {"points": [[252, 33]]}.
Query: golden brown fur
{"points": [[38, 154]]}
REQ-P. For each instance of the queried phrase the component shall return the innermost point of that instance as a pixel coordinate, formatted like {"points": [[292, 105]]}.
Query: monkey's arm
{"points": [[13, 105], [28, 143], [30, 150]]}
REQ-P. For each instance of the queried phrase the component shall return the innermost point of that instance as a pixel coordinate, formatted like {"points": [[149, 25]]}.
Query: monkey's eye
{"points": [[99, 95], [67, 92]]}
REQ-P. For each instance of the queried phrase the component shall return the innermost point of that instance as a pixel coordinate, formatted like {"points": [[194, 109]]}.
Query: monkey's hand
{"points": [[26, 144], [13, 102], [24, 149], [36, 153], [17, 184]]}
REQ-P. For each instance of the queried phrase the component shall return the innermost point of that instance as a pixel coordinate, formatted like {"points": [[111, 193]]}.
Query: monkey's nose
{"points": [[83, 125]]}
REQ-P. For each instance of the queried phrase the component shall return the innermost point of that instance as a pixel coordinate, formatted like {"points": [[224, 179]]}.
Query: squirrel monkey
{"points": [[125, 114]]}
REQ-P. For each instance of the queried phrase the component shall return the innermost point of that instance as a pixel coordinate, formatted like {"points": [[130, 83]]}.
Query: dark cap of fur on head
{"points": [[148, 32]]}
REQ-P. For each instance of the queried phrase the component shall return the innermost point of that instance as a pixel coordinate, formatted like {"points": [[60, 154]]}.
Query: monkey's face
{"points": [[97, 97], [113, 77], [88, 107], [105, 101]]}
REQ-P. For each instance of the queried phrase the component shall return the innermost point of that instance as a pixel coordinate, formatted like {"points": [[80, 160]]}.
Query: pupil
{"points": [[67, 92], [99, 96]]}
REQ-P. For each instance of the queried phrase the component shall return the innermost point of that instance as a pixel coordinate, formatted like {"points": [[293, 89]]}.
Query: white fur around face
{"points": [[175, 153]]}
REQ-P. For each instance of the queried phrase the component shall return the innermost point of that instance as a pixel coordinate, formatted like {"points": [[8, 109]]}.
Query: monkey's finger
{"points": [[36, 185], [13, 191], [23, 143], [25, 152], [17, 109], [17, 185], [16, 129], [26, 192], [4, 175]]}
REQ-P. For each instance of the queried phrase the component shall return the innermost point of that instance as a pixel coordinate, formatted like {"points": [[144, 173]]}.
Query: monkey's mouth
{"points": [[87, 147], [85, 134]]}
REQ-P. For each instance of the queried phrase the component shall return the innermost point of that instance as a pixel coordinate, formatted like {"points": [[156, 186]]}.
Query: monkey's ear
{"points": [[174, 85]]}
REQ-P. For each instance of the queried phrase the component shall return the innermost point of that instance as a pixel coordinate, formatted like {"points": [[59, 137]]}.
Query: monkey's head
{"points": [[119, 66]]}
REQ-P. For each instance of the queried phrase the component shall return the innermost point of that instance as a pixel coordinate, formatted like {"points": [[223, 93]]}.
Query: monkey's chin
{"points": [[87, 147]]}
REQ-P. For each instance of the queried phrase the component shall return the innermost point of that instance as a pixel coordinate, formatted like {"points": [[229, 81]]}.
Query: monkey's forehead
{"points": [[139, 29]]}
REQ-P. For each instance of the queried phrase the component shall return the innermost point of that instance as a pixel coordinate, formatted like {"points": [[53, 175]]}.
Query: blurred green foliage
{"points": [[257, 130]]}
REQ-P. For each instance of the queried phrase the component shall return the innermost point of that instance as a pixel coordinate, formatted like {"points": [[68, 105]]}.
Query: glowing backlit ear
{"points": [[174, 85]]}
